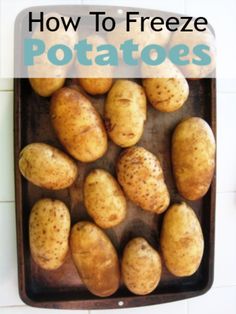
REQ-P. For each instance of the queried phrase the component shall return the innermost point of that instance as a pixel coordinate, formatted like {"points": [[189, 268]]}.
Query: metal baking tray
{"points": [[63, 288]]}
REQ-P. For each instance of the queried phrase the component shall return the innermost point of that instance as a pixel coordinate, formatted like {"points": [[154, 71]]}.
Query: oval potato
{"points": [[49, 229], [140, 174], [166, 93], [78, 125], [141, 267], [104, 199], [181, 240], [125, 113], [193, 39], [95, 79], [47, 166], [95, 259], [193, 157], [46, 86]]}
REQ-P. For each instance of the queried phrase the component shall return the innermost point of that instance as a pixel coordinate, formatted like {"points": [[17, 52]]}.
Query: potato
{"points": [[95, 259], [49, 229], [140, 267], [45, 77], [169, 90], [78, 125], [47, 166], [141, 38], [96, 86], [181, 240], [95, 79], [46, 86], [193, 157], [140, 174], [192, 40], [125, 113], [104, 199]]}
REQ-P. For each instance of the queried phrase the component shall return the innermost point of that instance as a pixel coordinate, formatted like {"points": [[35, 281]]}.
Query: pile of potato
{"points": [[84, 135]]}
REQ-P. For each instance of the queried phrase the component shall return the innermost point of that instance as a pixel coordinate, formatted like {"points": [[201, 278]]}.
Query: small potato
{"points": [[95, 259], [78, 125], [49, 228], [47, 166], [193, 39], [140, 267], [125, 113], [46, 86], [95, 79], [140, 174], [104, 199], [96, 86], [181, 241], [167, 93], [141, 38], [193, 157]]}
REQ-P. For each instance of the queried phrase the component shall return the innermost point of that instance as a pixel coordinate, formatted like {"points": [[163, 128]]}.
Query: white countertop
{"points": [[222, 296]]}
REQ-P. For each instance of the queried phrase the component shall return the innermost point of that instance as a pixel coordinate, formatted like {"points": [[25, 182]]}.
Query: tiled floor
{"points": [[222, 297]]}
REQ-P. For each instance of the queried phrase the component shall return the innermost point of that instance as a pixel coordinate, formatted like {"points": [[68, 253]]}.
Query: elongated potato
{"points": [[193, 157], [95, 79], [47, 166], [46, 86], [169, 90], [49, 228], [104, 199], [95, 259], [125, 113], [140, 267], [182, 241], [78, 125], [45, 77], [140, 174]]}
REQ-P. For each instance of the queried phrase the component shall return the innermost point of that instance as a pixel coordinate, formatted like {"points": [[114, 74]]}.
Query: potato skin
{"points": [[140, 267], [78, 125], [167, 93], [125, 113], [104, 199], [140, 174], [95, 79], [46, 86], [96, 86], [47, 166], [95, 259], [193, 157], [49, 228], [181, 240]]}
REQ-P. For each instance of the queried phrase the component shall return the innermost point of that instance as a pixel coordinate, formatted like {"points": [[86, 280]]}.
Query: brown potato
{"points": [[140, 174], [78, 125], [95, 79], [181, 241], [125, 113], [167, 93], [95, 259], [104, 199], [96, 86], [141, 38], [192, 70], [47, 166], [193, 157], [46, 86], [49, 228], [45, 77], [140, 267]]}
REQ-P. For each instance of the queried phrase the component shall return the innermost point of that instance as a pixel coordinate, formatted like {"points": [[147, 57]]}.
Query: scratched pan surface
{"points": [[63, 288]]}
